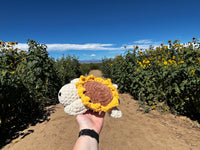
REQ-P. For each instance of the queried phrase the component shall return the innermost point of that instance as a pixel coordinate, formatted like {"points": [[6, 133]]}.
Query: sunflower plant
{"points": [[168, 74], [12, 91]]}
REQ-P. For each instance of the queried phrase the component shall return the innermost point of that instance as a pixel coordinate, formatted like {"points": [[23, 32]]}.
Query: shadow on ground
{"points": [[14, 128]]}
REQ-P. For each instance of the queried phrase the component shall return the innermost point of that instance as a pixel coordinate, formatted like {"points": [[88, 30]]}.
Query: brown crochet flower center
{"points": [[98, 92]]}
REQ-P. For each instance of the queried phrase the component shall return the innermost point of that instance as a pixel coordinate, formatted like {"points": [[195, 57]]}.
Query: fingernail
{"points": [[100, 113]]}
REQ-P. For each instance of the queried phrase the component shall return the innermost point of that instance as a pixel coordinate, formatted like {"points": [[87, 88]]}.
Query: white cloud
{"points": [[145, 41], [89, 46], [144, 44], [93, 55], [22, 46], [64, 47]]}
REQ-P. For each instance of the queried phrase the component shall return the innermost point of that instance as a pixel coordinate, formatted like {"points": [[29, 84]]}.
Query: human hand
{"points": [[91, 120]]}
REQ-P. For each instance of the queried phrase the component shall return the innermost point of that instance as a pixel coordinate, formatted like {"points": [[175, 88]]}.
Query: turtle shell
{"points": [[98, 92]]}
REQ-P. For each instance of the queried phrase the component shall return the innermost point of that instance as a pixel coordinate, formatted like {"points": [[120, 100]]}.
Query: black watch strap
{"points": [[90, 133]]}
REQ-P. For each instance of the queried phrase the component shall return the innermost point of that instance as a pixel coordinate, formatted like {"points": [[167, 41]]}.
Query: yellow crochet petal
{"points": [[97, 106], [91, 78], [82, 78], [99, 80]]}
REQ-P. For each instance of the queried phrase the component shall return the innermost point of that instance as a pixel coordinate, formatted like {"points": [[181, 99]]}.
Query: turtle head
{"points": [[68, 94]]}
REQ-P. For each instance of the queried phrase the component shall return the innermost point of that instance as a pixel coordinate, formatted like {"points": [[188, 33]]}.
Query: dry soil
{"points": [[134, 131]]}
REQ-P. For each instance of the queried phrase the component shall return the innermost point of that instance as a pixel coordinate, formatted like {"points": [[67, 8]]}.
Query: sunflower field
{"points": [[166, 77], [29, 80]]}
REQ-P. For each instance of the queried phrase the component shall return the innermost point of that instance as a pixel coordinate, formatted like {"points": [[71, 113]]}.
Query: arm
{"points": [[86, 143], [89, 120]]}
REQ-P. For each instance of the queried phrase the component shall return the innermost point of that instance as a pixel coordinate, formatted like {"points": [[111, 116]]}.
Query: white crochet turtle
{"points": [[89, 92]]}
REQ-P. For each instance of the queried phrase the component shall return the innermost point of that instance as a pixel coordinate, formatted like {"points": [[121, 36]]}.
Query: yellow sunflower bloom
{"points": [[86, 99], [140, 52], [181, 62], [12, 43], [153, 107], [192, 72], [198, 59], [136, 47], [22, 52], [165, 63], [11, 64]]}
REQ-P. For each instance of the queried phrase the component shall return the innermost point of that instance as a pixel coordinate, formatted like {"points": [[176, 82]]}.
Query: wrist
{"points": [[89, 132], [96, 130]]}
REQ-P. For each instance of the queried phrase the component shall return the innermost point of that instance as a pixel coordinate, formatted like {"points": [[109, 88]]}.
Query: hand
{"points": [[91, 120]]}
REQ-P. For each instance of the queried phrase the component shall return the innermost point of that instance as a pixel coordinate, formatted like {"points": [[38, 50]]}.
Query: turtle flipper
{"points": [[75, 108], [115, 113]]}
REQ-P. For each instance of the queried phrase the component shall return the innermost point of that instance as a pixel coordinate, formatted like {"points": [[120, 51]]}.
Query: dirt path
{"points": [[134, 131]]}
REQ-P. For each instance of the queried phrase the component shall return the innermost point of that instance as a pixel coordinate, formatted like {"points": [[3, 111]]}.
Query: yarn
{"points": [[98, 92]]}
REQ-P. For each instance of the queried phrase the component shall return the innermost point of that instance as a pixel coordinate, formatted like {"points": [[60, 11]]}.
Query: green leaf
{"points": [[177, 88]]}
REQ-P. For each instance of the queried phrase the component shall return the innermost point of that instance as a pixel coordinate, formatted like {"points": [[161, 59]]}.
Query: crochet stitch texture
{"points": [[89, 92]]}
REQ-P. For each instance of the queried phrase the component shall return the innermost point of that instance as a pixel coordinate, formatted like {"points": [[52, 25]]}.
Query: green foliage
{"points": [[37, 72], [15, 102], [67, 69], [85, 68], [168, 74], [29, 79]]}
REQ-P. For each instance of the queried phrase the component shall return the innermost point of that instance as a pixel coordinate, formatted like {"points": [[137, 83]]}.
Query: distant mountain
{"points": [[90, 61]]}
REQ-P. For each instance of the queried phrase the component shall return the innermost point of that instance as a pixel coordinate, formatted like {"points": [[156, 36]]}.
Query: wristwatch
{"points": [[90, 133]]}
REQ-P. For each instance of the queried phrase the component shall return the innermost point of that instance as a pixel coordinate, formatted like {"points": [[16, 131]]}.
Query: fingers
{"points": [[97, 114], [102, 114]]}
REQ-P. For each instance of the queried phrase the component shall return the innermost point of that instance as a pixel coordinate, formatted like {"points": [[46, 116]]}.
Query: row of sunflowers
{"points": [[29, 80], [166, 77]]}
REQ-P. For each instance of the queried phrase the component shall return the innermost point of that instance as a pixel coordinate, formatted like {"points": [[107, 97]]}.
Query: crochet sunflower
{"points": [[92, 93]]}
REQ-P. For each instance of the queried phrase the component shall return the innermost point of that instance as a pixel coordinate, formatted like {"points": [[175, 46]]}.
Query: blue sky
{"points": [[92, 29]]}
